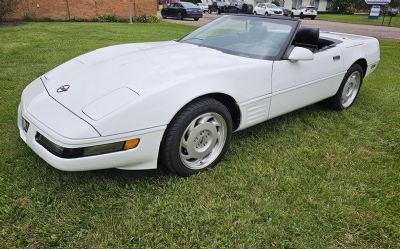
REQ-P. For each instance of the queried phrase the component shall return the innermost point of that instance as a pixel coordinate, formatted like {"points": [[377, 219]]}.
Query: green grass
{"points": [[314, 178], [359, 19]]}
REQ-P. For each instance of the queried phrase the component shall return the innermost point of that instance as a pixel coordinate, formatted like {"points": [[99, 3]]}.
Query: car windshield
{"points": [[272, 6], [188, 5], [255, 37]]}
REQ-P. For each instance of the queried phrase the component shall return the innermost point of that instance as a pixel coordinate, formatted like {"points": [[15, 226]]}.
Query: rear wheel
{"points": [[313, 17], [301, 16], [348, 90], [292, 15], [179, 16], [197, 138], [196, 18]]}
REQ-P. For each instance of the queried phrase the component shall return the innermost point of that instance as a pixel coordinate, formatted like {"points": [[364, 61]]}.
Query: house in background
{"points": [[80, 9], [320, 4]]}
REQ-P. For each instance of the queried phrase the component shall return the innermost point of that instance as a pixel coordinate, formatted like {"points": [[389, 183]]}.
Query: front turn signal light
{"points": [[131, 144]]}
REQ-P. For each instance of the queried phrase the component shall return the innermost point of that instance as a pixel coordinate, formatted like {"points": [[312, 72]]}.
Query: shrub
{"points": [[276, 2], [340, 6], [147, 19], [28, 18], [7, 7], [106, 18], [349, 12]]}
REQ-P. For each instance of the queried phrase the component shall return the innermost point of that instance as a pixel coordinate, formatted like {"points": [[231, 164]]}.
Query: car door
{"points": [[172, 10], [259, 9], [263, 9], [301, 83], [167, 10], [179, 8]]}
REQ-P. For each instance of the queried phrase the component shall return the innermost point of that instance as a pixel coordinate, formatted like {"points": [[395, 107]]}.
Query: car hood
{"points": [[127, 72]]}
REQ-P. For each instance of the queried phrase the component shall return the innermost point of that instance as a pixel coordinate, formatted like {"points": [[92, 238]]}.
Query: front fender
{"points": [[158, 107]]}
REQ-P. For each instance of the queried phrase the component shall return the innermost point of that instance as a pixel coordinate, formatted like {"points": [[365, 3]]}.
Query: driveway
{"points": [[381, 32]]}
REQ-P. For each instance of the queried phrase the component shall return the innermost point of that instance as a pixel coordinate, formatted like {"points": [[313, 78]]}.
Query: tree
{"points": [[276, 2], [341, 5], [394, 4], [7, 7]]}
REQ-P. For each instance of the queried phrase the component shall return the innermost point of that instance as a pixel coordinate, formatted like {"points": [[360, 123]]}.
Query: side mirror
{"points": [[300, 54]]}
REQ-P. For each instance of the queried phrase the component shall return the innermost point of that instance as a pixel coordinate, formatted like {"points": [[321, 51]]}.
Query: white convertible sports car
{"points": [[176, 103]]}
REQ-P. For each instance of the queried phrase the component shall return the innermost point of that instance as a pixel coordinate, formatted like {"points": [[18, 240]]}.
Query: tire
{"points": [[179, 16], [196, 18], [163, 17], [347, 94], [292, 15], [313, 17], [186, 151], [301, 16], [255, 13]]}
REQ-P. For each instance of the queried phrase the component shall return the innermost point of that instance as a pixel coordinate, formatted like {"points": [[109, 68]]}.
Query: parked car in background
{"points": [[286, 12], [234, 6], [217, 7], [303, 12], [203, 6], [182, 10], [267, 9]]}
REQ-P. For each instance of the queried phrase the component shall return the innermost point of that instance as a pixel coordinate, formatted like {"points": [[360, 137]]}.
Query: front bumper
{"points": [[144, 156]]}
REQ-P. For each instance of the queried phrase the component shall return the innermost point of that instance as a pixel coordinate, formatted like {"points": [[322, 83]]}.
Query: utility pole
{"points": [[130, 10]]}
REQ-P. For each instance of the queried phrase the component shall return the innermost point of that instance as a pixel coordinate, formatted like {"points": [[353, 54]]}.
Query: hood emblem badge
{"points": [[63, 88]]}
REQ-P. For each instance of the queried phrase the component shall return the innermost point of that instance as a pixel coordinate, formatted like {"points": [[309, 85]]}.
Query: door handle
{"points": [[336, 57]]}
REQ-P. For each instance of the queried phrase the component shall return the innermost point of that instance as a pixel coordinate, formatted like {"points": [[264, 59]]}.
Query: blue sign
{"points": [[374, 13]]}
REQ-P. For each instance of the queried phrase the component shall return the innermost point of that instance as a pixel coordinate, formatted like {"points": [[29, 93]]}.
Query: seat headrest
{"points": [[307, 36]]}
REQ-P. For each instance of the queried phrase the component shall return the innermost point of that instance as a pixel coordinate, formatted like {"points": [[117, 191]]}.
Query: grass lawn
{"points": [[360, 19], [314, 178]]}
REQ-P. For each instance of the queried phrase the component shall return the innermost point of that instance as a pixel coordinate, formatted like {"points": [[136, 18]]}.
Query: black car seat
{"points": [[307, 38]]}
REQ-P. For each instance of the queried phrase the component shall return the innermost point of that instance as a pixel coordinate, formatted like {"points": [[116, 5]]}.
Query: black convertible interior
{"points": [[310, 38]]}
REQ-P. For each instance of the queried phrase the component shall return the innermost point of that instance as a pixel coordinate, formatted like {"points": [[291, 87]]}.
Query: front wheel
{"points": [[197, 137], [196, 18], [301, 16], [179, 16], [348, 90], [313, 17]]}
